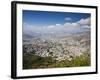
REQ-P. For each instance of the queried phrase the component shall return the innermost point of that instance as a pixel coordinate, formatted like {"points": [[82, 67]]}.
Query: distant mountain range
{"points": [[54, 34]]}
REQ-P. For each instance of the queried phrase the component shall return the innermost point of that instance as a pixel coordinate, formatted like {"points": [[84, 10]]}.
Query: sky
{"points": [[55, 22]]}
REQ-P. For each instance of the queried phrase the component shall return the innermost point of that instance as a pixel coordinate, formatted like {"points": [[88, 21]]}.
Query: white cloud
{"points": [[58, 24], [83, 24], [86, 21], [71, 26], [30, 29], [67, 24], [51, 26], [68, 19]]}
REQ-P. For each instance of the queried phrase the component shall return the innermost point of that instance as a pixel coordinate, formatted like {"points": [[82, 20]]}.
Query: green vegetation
{"points": [[31, 61], [83, 60]]}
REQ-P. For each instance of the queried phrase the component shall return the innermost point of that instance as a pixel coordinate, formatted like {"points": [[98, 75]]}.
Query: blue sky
{"points": [[44, 18], [55, 22]]}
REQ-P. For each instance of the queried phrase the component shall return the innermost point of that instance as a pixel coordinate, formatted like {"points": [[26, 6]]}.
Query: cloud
{"points": [[51, 26], [72, 27], [30, 29], [68, 19], [86, 21], [58, 24], [79, 26]]}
